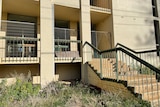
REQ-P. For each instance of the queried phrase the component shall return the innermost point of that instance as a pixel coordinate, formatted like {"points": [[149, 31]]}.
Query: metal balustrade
{"points": [[67, 47], [150, 56], [18, 42], [18, 49], [126, 67], [101, 38]]}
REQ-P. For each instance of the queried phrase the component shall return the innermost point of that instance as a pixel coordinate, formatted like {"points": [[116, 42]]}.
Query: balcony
{"points": [[101, 6], [18, 44], [68, 3], [67, 46], [102, 40]]}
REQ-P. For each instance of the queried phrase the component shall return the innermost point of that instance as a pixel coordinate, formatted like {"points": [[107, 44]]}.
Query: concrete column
{"points": [[85, 26], [47, 66]]}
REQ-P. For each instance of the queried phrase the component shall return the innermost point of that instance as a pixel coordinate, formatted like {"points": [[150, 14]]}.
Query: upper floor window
{"points": [[154, 8]]}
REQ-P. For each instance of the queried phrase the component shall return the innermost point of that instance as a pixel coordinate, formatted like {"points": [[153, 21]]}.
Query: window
{"points": [[91, 2], [157, 34], [154, 8]]}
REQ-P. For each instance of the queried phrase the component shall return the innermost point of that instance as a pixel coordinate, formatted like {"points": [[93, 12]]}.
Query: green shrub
{"points": [[21, 90], [24, 94]]}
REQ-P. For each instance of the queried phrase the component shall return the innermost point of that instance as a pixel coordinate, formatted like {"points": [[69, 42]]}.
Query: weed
{"points": [[25, 94]]}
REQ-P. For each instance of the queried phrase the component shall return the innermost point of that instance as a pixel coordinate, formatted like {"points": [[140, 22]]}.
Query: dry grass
{"points": [[60, 95]]}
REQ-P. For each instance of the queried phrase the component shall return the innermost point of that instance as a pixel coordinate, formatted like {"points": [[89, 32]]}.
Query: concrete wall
{"points": [[68, 71], [108, 86], [68, 3], [133, 23], [7, 71], [158, 5]]}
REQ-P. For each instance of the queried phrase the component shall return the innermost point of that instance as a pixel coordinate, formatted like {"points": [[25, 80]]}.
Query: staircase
{"points": [[136, 70], [145, 85]]}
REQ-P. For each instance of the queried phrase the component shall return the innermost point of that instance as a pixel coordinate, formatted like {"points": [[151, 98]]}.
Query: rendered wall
{"points": [[7, 71], [68, 3], [68, 71], [158, 5], [133, 23]]}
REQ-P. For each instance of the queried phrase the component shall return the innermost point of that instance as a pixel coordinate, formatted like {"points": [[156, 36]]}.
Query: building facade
{"points": [[47, 37]]}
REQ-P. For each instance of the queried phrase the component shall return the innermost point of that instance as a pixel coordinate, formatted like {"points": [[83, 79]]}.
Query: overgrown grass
{"points": [[24, 94]]}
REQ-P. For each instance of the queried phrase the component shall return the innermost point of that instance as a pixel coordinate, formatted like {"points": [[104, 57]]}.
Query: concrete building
{"points": [[46, 37]]}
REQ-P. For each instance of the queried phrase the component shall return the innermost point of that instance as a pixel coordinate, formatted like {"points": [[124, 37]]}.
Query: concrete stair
{"points": [[143, 84]]}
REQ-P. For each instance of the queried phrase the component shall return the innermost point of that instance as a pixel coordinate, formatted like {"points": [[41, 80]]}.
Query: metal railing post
{"points": [[101, 66], [116, 65]]}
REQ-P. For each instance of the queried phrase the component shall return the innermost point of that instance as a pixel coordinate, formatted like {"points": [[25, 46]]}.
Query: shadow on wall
{"points": [[68, 71], [8, 71], [148, 40]]}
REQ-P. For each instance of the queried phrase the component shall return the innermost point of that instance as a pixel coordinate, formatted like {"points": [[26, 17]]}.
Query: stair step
{"points": [[129, 73], [155, 102], [147, 87], [141, 81], [150, 96], [134, 77], [144, 84]]}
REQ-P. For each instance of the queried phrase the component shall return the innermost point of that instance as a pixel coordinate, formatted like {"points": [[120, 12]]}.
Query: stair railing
{"points": [[96, 55], [140, 74], [124, 65], [151, 56]]}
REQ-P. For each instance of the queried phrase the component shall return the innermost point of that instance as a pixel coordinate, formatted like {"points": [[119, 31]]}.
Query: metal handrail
{"points": [[19, 38], [64, 29], [139, 60], [137, 52], [130, 70], [91, 46], [16, 22], [100, 32], [128, 53], [150, 56], [67, 41]]}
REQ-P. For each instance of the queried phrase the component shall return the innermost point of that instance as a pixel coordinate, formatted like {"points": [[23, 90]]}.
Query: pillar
{"points": [[85, 25], [47, 66]]}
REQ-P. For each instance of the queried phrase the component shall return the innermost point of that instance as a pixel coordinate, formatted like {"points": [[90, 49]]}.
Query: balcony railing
{"points": [[18, 42], [101, 40], [102, 5], [66, 45], [18, 49], [67, 50]]}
